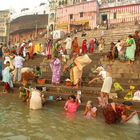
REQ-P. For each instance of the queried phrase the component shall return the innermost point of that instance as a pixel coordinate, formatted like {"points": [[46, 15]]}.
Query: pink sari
{"points": [[56, 69]]}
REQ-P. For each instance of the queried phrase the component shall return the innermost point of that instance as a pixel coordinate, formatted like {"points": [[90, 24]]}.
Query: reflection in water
{"points": [[17, 122]]}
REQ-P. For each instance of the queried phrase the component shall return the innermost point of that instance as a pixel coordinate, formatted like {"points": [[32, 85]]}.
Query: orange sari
{"points": [[31, 52], [75, 47]]}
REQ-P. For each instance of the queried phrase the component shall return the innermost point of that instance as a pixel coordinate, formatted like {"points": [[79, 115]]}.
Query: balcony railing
{"points": [[121, 3]]}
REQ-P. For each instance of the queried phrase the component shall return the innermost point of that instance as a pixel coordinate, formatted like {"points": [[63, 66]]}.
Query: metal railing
{"points": [[121, 3]]}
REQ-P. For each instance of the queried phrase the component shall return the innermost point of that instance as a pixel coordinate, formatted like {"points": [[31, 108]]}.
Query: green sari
{"points": [[55, 52], [130, 51]]}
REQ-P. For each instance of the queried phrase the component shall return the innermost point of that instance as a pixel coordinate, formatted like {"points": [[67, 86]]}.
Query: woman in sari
{"points": [[118, 113], [56, 49], [75, 46], [31, 50], [76, 68], [91, 49], [84, 46], [101, 44], [130, 50], [49, 49], [56, 70], [37, 48], [6, 77]]}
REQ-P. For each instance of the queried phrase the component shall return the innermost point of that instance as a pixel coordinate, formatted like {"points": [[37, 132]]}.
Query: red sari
{"points": [[112, 117], [91, 50], [84, 47]]}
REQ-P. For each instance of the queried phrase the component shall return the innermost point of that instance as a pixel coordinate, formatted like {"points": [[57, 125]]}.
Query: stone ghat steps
{"points": [[111, 35], [125, 83], [118, 68], [35, 61], [87, 94], [87, 91]]}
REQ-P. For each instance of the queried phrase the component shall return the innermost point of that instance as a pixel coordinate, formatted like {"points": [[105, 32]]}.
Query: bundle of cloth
{"points": [[136, 96], [27, 74], [134, 120]]}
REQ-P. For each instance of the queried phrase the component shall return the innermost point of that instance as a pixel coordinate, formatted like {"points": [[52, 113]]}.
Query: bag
{"points": [[118, 87]]}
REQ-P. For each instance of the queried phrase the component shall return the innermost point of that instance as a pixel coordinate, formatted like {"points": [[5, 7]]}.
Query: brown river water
{"points": [[18, 122]]}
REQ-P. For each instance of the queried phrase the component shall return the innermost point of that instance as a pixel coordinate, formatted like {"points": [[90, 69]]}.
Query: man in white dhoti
{"points": [[106, 87]]}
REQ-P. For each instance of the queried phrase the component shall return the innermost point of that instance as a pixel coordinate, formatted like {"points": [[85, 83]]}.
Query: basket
{"points": [[68, 83], [41, 81]]}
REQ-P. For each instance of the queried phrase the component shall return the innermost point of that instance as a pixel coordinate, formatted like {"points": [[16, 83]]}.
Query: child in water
{"points": [[71, 105], [90, 111]]}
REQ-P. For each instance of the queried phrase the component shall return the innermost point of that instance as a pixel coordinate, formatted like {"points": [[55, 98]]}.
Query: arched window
{"points": [[52, 16]]}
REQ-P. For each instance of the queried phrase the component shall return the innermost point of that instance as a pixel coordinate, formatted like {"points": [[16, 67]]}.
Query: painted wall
{"points": [[89, 10], [120, 14]]}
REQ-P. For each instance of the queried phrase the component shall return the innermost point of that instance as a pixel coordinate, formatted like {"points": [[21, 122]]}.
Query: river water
{"points": [[17, 122]]}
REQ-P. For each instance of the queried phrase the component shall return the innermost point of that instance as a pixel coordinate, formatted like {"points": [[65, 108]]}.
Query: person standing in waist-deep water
{"points": [[120, 113], [71, 104]]}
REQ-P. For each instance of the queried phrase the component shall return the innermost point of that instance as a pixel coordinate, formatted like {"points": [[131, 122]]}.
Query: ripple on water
{"points": [[17, 122]]}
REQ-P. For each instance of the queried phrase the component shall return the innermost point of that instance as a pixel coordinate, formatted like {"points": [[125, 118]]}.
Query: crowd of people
{"points": [[74, 58], [125, 50]]}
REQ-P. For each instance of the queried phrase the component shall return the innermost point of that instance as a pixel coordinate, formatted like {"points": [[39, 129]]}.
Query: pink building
{"points": [[120, 13], [84, 14]]}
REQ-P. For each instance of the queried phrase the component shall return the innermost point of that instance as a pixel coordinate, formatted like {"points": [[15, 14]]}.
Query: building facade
{"points": [[4, 25], [28, 27], [117, 11], [90, 13], [80, 14]]}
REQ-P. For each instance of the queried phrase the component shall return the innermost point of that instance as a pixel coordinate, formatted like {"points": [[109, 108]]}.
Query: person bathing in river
{"points": [[90, 111], [35, 99], [106, 87], [116, 113], [71, 104], [101, 75]]}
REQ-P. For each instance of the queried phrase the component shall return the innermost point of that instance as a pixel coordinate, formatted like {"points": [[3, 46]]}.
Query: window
{"points": [[115, 15], [59, 3], [81, 14], [66, 2], [71, 16]]}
